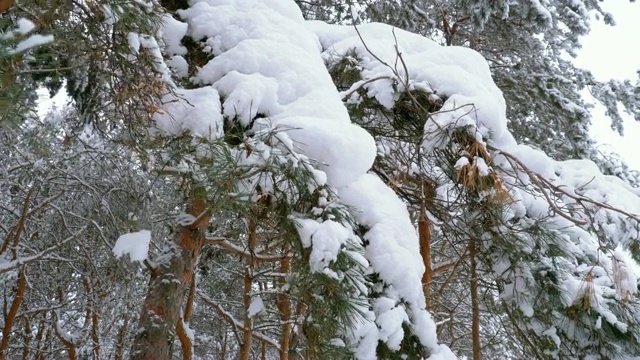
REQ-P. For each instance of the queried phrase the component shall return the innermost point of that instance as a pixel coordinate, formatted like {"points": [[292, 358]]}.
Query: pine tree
{"points": [[207, 193], [507, 208]]}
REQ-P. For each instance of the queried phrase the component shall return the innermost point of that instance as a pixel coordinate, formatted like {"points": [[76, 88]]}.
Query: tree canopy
{"points": [[311, 179]]}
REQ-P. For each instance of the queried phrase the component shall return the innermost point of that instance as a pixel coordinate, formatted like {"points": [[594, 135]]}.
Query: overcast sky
{"points": [[614, 52]]}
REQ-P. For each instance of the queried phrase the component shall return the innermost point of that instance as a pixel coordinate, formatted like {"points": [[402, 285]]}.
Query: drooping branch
{"points": [[237, 250], [14, 264], [544, 185]]}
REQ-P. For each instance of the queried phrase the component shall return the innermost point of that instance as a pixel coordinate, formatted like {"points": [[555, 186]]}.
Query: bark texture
{"points": [[162, 308]]}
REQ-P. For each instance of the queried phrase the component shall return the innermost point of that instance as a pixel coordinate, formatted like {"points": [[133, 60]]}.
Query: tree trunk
{"points": [[5, 5], [93, 314], [122, 335], [181, 328], [95, 336], [27, 339], [475, 306], [185, 340], [41, 339], [425, 251], [169, 282], [284, 306], [13, 311], [247, 334], [71, 347]]}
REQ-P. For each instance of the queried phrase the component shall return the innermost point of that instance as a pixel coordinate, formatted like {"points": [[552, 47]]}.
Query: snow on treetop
{"points": [[459, 74]]}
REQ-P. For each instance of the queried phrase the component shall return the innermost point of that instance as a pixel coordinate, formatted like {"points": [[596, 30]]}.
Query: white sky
{"points": [[614, 52]]}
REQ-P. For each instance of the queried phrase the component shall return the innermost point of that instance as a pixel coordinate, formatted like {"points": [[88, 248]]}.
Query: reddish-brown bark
{"points": [[424, 233], [95, 320], [247, 333], [162, 308], [27, 339], [5, 5], [70, 346], [185, 340], [11, 316], [39, 336]]}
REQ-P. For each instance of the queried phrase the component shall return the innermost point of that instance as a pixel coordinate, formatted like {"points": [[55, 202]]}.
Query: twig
{"points": [[236, 323], [542, 183], [235, 249], [371, 52], [358, 85]]}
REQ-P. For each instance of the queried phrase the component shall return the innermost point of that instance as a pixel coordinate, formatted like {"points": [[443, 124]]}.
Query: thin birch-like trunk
{"points": [[475, 306]]}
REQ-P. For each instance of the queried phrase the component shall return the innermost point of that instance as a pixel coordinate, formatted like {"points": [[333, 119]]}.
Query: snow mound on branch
{"points": [[263, 53], [394, 252], [172, 31], [196, 111], [325, 239], [135, 244], [625, 280], [25, 26], [268, 70], [256, 306], [459, 74], [392, 248]]}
